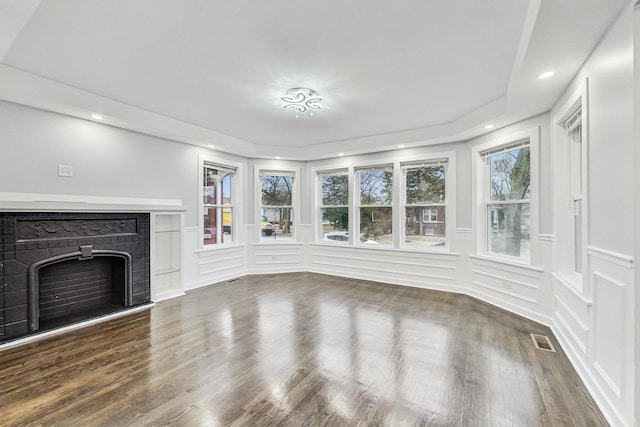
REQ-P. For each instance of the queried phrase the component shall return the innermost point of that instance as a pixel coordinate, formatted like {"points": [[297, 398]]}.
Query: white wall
{"points": [[106, 161]]}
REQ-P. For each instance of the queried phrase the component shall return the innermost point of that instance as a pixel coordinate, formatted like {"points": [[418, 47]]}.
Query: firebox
{"points": [[62, 268]]}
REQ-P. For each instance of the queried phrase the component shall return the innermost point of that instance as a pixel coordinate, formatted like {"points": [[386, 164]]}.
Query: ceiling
{"points": [[212, 72]]}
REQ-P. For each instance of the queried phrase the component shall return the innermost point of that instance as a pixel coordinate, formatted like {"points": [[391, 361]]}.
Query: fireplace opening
{"points": [[77, 290], [78, 286]]}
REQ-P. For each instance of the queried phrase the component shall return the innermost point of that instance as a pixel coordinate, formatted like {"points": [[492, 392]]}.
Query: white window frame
{"points": [[481, 195], [354, 238], [567, 193], [236, 185], [318, 173], [295, 200], [577, 151], [446, 159]]}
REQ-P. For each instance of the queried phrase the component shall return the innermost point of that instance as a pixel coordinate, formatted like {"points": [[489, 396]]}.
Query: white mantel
{"points": [[34, 202]]}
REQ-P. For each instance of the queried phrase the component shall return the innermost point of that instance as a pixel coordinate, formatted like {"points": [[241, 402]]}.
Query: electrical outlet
{"points": [[506, 285], [274, 257], [64, 170]]}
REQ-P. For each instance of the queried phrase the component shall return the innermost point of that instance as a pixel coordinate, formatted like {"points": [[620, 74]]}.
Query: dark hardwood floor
{"points": [[298, 349]]}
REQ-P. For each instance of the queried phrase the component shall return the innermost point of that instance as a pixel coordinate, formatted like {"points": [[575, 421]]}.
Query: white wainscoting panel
{"points": [[513, 287], [432, 270], [277, 258], [592, 326], [205, 267], [610, 331]]}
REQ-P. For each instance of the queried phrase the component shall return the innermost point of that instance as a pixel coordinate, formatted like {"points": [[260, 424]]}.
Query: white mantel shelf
{"points": [[31, 202]]}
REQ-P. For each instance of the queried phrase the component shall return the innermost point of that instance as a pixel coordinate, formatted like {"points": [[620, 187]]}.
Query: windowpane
{"points": [[210, 226], [227, 225], [425, 184], [226, 189], [508, 229], [376, 186], [335, 219], [425, 226], [577, 226], [209, 179], [277, 190], [277, 223], [510, 175], [376, 225], [335, 190]]}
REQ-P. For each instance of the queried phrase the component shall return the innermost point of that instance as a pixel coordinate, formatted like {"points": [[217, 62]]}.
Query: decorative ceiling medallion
{"points": [[301, 99]]}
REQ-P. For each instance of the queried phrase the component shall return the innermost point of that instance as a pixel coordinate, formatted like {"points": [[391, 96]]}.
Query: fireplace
{"points": [[63, 268]]}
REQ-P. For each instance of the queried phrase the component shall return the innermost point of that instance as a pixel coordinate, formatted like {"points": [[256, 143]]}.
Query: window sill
{"points": [[220, 247], [387, 248], [277, 242], [504, 261]]}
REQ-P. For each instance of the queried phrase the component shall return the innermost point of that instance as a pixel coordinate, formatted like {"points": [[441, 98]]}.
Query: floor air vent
{"points": [[542, 342]]}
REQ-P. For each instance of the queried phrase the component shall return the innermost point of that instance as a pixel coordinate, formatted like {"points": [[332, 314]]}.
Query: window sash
{"points": [[320, 176], [573, 121], [276, 173], [425, 163], [505, 148]]}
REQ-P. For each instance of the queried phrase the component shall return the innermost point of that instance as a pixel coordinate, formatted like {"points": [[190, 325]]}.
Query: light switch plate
{"points": [[64, 170]]}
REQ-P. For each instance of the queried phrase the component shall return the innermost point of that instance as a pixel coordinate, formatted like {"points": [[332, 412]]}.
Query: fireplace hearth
{"points": [[62, 268]]}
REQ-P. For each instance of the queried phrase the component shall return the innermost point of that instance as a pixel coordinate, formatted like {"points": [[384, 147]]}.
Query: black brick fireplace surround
{"points": [[57, 269]]}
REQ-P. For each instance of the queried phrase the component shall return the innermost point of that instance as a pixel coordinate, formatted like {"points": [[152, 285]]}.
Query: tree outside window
{"points": [[334, 207], [508, 207], [425, 204], [375, 207], [277, 204]]}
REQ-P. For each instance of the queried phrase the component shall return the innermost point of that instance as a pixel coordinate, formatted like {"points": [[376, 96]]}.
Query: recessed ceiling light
{"points": [[96, 117], [546, 75], [340, 154], [210, 145], [277, 157], [400, 145], [488, 127]]}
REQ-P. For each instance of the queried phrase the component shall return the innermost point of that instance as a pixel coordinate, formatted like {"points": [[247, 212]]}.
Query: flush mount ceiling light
{"points": [[302, 100]]}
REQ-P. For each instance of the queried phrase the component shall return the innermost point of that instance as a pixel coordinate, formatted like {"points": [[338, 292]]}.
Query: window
{"points": [[375, 204], [425, 203], [507, 199], [573, 128], [276, 211], [430, 215], [217, 204], [334, 205]]}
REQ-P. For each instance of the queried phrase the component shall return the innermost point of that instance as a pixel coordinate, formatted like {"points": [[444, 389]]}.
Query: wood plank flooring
{"points": [[298, 349]]}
